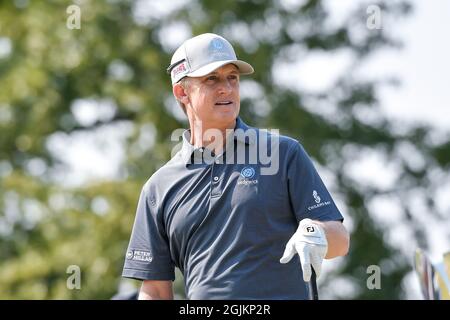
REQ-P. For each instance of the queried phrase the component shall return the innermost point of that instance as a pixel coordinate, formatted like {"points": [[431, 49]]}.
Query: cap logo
{"points": [[217, 44], [218, 50], [179, 69]]}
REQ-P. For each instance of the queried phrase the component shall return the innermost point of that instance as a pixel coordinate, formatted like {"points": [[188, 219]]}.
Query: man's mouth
{"points": [[223, 103]]}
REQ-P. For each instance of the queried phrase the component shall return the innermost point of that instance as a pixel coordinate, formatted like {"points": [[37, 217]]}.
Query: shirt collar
{"points": [[240, 134]]}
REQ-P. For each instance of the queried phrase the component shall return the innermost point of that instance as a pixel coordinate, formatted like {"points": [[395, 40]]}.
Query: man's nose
{"points": [[225, 87]]}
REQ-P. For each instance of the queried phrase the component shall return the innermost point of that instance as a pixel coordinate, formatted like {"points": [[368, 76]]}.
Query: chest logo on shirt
{"points": [[246, 176], [247, 173]]}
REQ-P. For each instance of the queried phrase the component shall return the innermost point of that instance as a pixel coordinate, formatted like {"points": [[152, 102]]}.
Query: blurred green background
{"points": [[104, 86]]}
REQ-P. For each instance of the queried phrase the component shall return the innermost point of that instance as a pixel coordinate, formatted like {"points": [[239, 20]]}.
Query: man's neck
{"points": [[211, 137]]}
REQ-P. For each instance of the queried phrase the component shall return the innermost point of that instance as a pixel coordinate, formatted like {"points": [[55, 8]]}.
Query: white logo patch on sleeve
{"points": [[139, 255], [318, 202]]}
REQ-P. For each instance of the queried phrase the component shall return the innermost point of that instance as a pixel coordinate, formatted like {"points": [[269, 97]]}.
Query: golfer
{"points": [[241, 211]]}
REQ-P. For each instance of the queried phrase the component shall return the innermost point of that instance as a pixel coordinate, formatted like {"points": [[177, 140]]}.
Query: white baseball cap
{"points": [[203, 54]]}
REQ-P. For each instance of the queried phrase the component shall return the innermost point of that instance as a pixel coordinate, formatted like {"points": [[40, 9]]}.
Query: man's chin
{"points": [[226, 115]]}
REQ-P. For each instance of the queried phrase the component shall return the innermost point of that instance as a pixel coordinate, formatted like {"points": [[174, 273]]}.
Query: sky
{"points": [[422, 66]]}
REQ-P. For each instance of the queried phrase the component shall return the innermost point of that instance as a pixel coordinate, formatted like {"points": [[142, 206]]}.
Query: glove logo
{"points": [[316, 196], [310, 229]]}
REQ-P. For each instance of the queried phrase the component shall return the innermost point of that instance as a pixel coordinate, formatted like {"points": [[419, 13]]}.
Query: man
{"points": [[223, 220]]}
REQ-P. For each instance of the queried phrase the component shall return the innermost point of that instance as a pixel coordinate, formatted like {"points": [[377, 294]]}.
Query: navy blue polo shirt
{"points": [[225, 223]]}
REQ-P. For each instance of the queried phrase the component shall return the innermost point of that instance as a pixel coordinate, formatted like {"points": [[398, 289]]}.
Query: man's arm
{"points": [[156, 290], [338, 238]]}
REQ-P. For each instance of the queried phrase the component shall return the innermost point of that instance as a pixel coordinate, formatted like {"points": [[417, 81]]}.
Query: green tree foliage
{"points": [[120, 56]]}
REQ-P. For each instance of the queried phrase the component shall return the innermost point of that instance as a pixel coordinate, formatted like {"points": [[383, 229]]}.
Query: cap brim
{"points": [[244, 68]]}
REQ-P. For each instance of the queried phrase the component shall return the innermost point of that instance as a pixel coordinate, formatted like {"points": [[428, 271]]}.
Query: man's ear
{"points": [[180, 93]]}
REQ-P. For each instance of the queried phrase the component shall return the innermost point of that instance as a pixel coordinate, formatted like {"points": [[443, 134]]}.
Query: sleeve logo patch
{"points": [[316, 196], [139, 255], [318, 202]]}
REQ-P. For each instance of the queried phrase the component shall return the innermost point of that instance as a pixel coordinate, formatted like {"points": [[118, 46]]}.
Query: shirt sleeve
{"points": [[148, 254], [308, 195]]}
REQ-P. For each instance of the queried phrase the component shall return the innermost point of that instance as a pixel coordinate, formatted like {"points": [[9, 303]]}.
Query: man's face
{"points": [[214, 98]]}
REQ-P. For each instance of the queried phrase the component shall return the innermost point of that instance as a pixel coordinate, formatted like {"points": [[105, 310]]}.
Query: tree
{"points": [[119, 56]]}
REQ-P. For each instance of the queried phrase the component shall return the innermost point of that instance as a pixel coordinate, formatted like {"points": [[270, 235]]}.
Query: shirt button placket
{"points": [[215, 185]]}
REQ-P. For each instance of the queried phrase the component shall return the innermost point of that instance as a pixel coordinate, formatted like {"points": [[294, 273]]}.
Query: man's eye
{"points": [[233, 77], [212, 78]]}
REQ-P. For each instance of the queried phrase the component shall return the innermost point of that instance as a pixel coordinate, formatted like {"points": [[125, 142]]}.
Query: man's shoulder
{"points": [[273, 135], [164, 175], [288, 141]]}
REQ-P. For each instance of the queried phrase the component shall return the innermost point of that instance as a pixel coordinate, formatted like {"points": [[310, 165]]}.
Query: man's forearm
{"points": [[337, 236], [156, 290]]}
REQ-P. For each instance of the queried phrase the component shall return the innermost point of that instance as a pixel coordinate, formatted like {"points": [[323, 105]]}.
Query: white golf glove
{"points": [[310, 242]]}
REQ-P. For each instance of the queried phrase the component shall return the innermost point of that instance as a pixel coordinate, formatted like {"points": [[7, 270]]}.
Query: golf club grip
{"points": [[313, 293]]}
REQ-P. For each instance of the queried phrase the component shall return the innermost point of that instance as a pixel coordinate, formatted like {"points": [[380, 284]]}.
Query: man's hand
{"points": [[310, 242]]}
